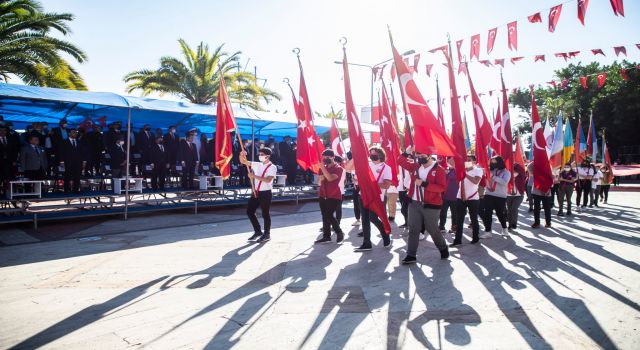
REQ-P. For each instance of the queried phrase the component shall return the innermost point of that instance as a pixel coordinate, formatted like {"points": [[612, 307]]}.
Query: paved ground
{"points": [[191, 281]]}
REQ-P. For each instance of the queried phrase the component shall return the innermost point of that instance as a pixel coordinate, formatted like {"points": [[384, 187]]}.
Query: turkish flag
{"points": [[597, 51], [518, 157], [390, 141], [554, 16], [623, 73], [506, 144], [429, 67], [308, 142], [475, 47], [495, 132], [512, 29], [562, 55], [499, 62], [457, 127], [582, 10], [620, 49], [516, 59], [535, 18], [583, 82], [602, 77], [542, 176], [369, 189], [590, 137], [458, 46], [491, 39], [573, 54], [225, 124], [336, 141], [439, 101], [483, 128], [430, 136], [606, 157], [618, 7], [539, 58], [416, 59]]}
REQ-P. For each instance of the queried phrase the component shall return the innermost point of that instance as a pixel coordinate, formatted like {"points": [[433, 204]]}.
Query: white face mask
{"points": [[567, 168], [468, 164], [120, 143], [262, 158]]}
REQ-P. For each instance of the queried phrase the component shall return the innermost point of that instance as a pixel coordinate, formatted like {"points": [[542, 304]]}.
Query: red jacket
{"points": [[436, 182]]}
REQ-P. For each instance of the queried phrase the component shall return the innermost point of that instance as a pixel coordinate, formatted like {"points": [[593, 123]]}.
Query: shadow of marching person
{"points": [[87, 316]]}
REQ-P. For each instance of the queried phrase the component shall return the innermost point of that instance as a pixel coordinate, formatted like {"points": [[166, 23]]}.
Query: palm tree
{"points": [[29, 52], [197, 78]]}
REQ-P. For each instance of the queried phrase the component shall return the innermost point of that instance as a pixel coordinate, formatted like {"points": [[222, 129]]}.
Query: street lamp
{"points": [[410, 52]]}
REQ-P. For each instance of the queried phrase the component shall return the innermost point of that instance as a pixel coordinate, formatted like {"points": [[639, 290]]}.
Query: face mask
{"points": [[468, 164], [147, 129], [422, 161], [374, 157], [492, 166], [262, 158], [567, 168], [326, 161], [120, 143]]}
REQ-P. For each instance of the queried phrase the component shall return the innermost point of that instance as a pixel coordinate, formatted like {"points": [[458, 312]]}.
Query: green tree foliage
{"points": [[196, 77], [29, 52], [615, 106]]}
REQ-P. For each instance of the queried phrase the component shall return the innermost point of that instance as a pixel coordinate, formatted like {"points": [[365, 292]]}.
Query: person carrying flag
{"points": [[262, 173], [330, 195], [468, 198]]}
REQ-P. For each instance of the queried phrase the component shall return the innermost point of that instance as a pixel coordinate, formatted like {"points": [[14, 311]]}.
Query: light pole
{"points": [[373, 76]]}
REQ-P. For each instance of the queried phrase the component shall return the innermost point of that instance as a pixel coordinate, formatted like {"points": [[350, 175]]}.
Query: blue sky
{"points": [[122, 36]]}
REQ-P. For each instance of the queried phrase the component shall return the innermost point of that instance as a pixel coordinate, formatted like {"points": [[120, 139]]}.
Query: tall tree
{"points": [[29, 52], [196, 77], [615, 106]]}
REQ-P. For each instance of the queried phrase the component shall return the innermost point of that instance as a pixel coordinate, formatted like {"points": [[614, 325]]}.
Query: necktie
{"points": [[73, 142], [161, 148], [37, 150]]}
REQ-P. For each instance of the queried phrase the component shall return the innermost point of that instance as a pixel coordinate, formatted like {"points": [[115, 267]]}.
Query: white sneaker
{"points": [[422, 237], [486, 235], [505, 231], [356, 223]]}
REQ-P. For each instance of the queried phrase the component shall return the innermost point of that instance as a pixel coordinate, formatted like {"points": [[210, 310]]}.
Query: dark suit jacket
{"points": [[9, 152], [30, 159], [170, 143], [144, 141], [157, 157], [118, 156], [186, 154], [57, 140], [74, 156]]}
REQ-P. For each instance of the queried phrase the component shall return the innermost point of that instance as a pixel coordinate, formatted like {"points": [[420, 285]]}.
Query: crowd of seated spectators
{"points": [[65, 155]]}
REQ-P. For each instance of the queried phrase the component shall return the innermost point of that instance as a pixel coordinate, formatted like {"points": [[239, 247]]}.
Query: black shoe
{"points": [[340, 237], [264, 239], [254, 237], [568, 213], [591, 206], [454, 244], [392, 218], [386, 240], [363, 248], [402, 226], [360, 234], [323, 240], [409, 260], [444, 254], [560, 213], [475, 240]]}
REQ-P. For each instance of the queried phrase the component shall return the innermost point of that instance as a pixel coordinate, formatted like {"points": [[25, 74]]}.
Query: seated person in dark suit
{"points": [[159, 159], [74, 159]]}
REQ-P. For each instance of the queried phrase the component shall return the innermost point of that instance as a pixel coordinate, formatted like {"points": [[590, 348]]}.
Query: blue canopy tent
{"points": [[26, 104]]}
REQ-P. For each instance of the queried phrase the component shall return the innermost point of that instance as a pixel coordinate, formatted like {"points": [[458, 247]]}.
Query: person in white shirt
{"points": [[468, 198], [596, 181], [404, 182], [585, 173], [262, 174], [382, 173]]}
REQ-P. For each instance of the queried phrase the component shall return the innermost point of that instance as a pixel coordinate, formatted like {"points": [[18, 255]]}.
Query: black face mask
{"points": [[374, 157], [326, 161], [147, 129], [492, 166], [422, 161]]}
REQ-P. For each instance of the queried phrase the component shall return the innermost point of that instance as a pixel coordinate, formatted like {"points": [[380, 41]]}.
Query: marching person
{"points": [[543, 198], [428, 182], [449, 200], [606, 183], [567, 181], [262, 174], [338, 160], [330, 195], [404, 183], [468, 198], [495, 197], [596, 181], [515, 197], [585, 173], [382, 173], [356, 189]]}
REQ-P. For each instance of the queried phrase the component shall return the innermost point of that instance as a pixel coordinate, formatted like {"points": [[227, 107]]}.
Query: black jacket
{"points": [[187, 154], [74, 156]]}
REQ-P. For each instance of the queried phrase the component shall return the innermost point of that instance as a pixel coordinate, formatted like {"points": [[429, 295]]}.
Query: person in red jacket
{"points": [[428, 182]]}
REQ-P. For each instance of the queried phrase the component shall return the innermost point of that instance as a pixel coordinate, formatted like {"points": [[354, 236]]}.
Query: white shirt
{"points": [[422, 175], [597, 179], [469, 187], [258, 168], [381, 172], [343, 179], [584, 172]]}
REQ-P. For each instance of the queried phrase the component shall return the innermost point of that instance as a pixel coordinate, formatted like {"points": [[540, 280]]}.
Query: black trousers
{"points": [[555, 194], [339, 211], [72, 174], [356, 202], [188, 172], [584, 188], [264, 202], [368, 218], [158, 176], [328, 209], [447, 205], [35, 174], [546, 204], [604, 192], [491, 204], [461, 212], [404, 205]]}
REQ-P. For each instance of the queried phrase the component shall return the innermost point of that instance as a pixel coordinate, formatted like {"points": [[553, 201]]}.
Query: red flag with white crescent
{"points": [[389, 139], [308, 142], [620, 50], [618, 7], [458, 47], [496, 130], [475, 47], [535, 18], [512, 30], [506, 146], [336, 142], [491, 39], [602, 77], [457, 126], [542, 177], [554, 16], [582, 9], [225, 124]]}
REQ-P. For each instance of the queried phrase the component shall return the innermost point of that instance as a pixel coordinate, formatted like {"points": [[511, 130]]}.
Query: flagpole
{"points": [[296, 51], [404, 104], [235, 127]]}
